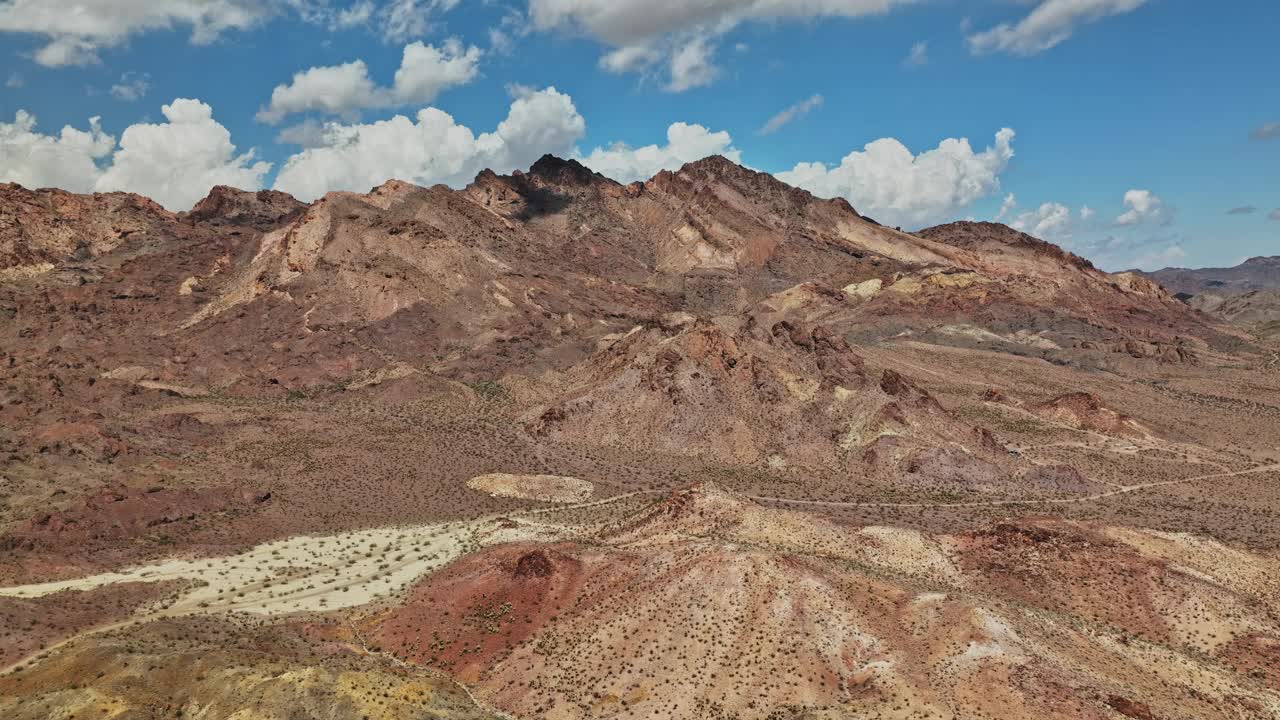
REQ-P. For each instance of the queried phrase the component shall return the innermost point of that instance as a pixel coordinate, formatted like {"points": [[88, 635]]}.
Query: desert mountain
{"points": [[1259, 273], [1247, 295], [1256, 310], [553, 446], [43, 228]]}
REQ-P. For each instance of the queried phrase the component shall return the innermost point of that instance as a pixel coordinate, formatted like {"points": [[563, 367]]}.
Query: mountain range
{"points": [[554, 446]]}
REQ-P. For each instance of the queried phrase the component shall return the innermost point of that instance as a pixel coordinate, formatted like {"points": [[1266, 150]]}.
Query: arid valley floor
{"points": [[555, 447]]}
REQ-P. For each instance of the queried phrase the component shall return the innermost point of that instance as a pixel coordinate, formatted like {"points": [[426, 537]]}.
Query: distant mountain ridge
{"points": [[1257, 273], [1247, 295]]}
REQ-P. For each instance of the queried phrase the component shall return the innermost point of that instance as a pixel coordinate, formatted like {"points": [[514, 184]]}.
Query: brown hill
{"points": [[709, 605], [298, 418]]}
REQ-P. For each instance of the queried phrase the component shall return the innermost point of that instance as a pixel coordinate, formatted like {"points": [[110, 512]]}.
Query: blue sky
{"points": [[1137, 124]]}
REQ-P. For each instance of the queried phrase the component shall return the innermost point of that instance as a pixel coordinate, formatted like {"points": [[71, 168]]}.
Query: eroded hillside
{"points": [[553, 446]]}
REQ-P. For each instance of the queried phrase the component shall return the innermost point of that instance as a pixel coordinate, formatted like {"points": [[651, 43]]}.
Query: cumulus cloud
{"points": [[432, 147], [1051, 221], [132, 86], [67, 160], [174, 163], [1144, 206], [918, 56], [885, 180], [1049, 24], [1243, 210], [795, 112], [680, 34], [425, 71], [1266, 131], [75, 30], [335, 89], [685, 143]]}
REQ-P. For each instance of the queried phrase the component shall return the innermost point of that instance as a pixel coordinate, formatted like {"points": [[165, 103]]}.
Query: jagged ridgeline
{"points": [[550, 446]]}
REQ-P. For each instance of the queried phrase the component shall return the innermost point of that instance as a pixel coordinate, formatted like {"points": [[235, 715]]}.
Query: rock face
{"points": [[55, 226], [1084, 411], [260, 210]]}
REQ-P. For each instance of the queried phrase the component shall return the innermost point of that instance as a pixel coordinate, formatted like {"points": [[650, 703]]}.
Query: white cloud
{"points": [[795, 112], [425, 71], [630, 58], [642, 31], [1143, 206], [1051, 221], [1050, 23], [433, 148], [692, 64], [67, 160], [887, 182], [406, 19], [132, 86], [175, 163], [76, 30], [335, 89], [1007, 206], [394, 21], [918, 56], [354, 15], [502, 38], [685, 143]]}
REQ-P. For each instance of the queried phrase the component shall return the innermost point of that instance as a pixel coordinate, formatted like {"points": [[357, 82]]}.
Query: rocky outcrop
{"points": [[262, 210], [55, 226]]}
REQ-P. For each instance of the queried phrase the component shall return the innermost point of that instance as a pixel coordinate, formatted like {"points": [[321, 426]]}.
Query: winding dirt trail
{"points": [[1127, 489]]}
